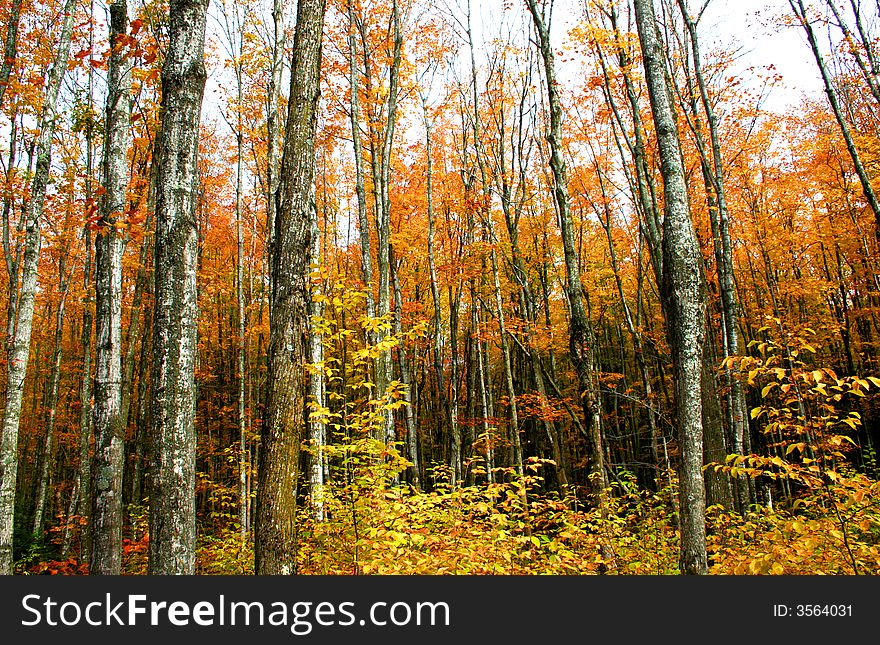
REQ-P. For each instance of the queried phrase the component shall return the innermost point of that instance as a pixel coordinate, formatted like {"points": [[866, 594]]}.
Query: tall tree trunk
{"points": [[275, 541], [718, 213], [381, 139], [52, 401], [360, 191], [682, 289], [142, 419], [109, 456], [19, 349], [435, 288], [317, 427], [173, 437], [80, 498], [486, 411], [581, 345], [405, 378], [454, 297], [514, 431], [273, 127], [241, 354]]}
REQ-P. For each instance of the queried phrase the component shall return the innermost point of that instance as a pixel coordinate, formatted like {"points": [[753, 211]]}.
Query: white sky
{"points": [[750, 26], [754, 25]]}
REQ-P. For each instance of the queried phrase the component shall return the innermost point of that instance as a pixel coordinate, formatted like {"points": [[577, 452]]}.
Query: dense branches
{"points": [[486, 288]]}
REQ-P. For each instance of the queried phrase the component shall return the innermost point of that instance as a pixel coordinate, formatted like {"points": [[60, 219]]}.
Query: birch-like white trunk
{"points": [[317, 428], [19, 349], [109, 456], [173, 437]]}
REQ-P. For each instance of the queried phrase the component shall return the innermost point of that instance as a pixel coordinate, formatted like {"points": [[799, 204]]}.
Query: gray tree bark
{"points": [[109, 459], [317, 428], [381, 139], [173, 438], [275, 540], [52, 398], [403, 367], [273, 125], [718, 212], [682, 288], [11, 46], [19, 349]]}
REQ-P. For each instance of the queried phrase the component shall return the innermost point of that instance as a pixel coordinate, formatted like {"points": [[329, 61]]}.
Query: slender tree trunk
{"points": [[19, 349], [486, 413], [581, 346], [435, 288], [403, 366], [51, 403], [273, 127], [109, 456], [317, 428], [241, 355], [360, 192], [383, 214], [173, 437], [514, 431], [142, 418], [800, 12], [724, 258], [80, 498], [682, 289], [454, 297], [275, 542]]}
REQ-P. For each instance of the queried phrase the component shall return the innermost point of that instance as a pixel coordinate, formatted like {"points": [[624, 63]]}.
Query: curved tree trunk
{"points": [[800, 12]]}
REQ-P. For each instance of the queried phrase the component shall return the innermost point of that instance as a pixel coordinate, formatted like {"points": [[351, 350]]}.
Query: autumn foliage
{"points": [[445, 428]]}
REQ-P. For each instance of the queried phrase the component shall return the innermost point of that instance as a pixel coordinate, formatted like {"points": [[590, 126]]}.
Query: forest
{"points": [[437, 287]]}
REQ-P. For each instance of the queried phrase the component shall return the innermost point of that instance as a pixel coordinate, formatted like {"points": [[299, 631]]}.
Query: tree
{"points": [[581, 340], [173, 439], [682, 287], [19, 348], [800, 12], [275, 537], [106, 557]]}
